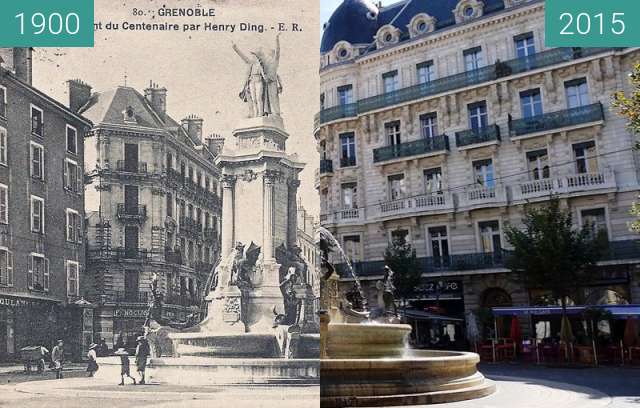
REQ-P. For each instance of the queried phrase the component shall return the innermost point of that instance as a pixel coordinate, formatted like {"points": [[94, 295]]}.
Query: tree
{"points": [[401, 258], [629, 107], [549, 253]]}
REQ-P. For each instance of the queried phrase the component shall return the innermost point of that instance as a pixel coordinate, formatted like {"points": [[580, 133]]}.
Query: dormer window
{"points": [[129, 115], [420, 24], [467, 10], [387, 35], [343, 51]]}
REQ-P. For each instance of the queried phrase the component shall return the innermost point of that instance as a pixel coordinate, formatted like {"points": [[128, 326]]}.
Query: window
{"points": [[38, 272], [6, 267], [577, 93], [4, 204], [538, 164], [490, 236], [73, 278], [169, 161], [37, 161], [169, 205], [585, 157], [37, 121], [345, 94], [74, 226], [37, 215], [473, 59], [352, 248], [433, 180], [478, 118], [425, 72], [483, 173], [390, 81], [322, 98], [524, 45], [429, 125], [439, 245], [3, 146], [594, 220], [396, 186], [392, 131], [72, 140], [349, 196], [3, 102], [531, 103], [73, 178], [348, 150]]}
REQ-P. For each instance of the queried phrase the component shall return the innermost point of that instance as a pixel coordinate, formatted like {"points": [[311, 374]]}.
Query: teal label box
{"points": [[592, 23], [46, 23]]}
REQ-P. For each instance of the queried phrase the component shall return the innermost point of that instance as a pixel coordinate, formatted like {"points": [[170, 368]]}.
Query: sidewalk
{"points": [[16, 368]]}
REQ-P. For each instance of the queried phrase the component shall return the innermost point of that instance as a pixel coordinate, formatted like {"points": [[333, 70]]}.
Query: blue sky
{"points": [[327, 7]]}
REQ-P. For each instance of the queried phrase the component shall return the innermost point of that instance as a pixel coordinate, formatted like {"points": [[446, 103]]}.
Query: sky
{"points": [[200, 70]]}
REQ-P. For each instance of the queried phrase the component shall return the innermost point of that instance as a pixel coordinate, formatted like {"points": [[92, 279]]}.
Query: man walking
{"points": [[57, 357], [142, 352]]}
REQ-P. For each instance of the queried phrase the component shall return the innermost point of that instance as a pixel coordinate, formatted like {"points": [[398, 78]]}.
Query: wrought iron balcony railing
{"points": [[458, 81], [557, 120], [413, 148], [119, 253], [485, 134], [326, 166], [132, 213], [622, 250], [131, 167]]}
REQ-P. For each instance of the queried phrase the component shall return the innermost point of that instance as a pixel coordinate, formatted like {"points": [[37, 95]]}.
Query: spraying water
{"points": [[328, 235]]}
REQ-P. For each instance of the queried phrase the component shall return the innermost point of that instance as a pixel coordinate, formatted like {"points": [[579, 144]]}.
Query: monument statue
{"points": [[262, 87], [243, 264], [386, 293]]}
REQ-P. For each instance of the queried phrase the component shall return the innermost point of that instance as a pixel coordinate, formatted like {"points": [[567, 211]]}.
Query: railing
{"points": [[585, 181], [126, 212], [326, 166], [131, 167], [347, 161], [458, 81], [413, 148], [482, 195], [481, 135], [431, 200], [557, 120], [395, 205], [120, 253], [350, 214], [574, 183], [622, 250]]}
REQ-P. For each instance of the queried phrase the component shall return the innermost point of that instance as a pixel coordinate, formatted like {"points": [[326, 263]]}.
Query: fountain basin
{"points": [[421, 377], [368, 340], [203, 344]]}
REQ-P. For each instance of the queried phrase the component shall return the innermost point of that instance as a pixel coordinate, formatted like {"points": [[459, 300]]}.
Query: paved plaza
{"points": [[518, 386]]}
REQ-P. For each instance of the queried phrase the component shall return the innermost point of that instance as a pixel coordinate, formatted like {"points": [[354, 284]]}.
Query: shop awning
{"points": [[618, 311], [422, 315]]}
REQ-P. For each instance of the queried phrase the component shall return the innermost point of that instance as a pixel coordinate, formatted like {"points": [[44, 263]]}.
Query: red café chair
{"points": [[506, 350], [485, 350]]}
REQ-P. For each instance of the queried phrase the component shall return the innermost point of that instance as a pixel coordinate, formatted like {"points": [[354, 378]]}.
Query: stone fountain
{"points": [[365, 361]]}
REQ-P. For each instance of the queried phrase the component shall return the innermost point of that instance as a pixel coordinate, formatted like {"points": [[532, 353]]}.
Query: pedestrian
{"points": [[92, 366], [57, 357], [124, 365], [142, 352]]}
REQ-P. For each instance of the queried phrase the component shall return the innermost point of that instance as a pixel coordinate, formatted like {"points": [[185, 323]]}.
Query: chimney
{"points": [[20, 62], [79, 94], [157, 98], [192, 124], [215, 143]]}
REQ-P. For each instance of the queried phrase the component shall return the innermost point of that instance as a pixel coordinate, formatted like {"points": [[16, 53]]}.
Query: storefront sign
{"points": [[439, 289], [19, 302], [130, 313]]}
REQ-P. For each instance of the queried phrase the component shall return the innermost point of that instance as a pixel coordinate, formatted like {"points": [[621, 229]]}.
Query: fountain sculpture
{"points": [[365, 360]]}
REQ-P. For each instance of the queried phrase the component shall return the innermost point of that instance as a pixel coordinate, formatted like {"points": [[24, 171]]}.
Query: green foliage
{"points": [[628, 106], [549, 253], [401, 258]]}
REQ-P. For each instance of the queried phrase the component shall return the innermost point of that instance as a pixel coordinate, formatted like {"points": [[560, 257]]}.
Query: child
{"points": [[124, 365], [92, 366]]}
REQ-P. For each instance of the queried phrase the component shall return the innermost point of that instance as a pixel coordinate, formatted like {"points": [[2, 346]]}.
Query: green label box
{"points": [[592, 23], [46, 23]]}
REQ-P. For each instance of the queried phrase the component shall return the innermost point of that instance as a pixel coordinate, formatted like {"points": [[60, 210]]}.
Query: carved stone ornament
{"points": [[421, 24], [468, 10], [249, 175], [343, 51], [228, 181], [387, 35]]}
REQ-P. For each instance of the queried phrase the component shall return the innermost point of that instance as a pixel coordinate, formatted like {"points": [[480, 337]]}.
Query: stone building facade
{"points": [[42, 253], [153, 206], [307, 225], [440, 120]]}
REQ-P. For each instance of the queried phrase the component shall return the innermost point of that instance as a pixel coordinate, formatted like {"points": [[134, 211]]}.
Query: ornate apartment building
{"points": [[440, 120], [42, 253], [153, 207]]}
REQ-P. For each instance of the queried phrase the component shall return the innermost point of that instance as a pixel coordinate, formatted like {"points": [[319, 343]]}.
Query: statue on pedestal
{"points": [[262, 87]]}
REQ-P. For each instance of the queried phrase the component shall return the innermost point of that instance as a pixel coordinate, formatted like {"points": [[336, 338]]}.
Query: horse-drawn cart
{"points": [[33, 356]]}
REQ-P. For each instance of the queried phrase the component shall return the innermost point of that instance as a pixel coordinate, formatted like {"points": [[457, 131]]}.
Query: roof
{"points": [[352, 21]]}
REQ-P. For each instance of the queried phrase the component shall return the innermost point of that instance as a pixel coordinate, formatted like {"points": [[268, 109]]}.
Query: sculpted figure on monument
{"points": [[243, 264], [262, 87]]}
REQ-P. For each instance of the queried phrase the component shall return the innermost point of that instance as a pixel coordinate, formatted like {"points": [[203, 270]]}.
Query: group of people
{"points": [[143, 351]]}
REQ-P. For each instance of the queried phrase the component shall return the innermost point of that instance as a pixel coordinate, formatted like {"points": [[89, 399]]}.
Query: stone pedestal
{"points": [[226, 312]]}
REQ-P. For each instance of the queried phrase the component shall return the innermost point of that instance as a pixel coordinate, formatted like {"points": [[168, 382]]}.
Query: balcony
{"points": [[570, 184], [485, 135], [326, 166], [128, 213], [462, 80], [345, 216], [422, 147], [433, 202], [482, 196], [119, 253], [131, 167], [557, 121], [622, 250]]}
